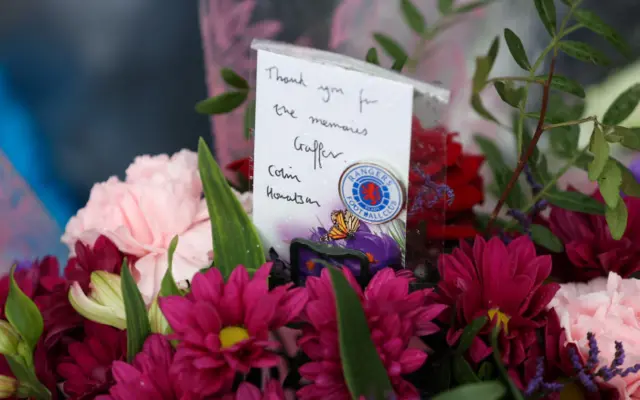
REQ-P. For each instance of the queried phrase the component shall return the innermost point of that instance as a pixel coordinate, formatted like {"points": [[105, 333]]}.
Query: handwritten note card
{"points": [[316, 122]]}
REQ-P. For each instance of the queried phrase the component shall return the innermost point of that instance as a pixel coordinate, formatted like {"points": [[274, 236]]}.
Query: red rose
{"points": [[436, 157], [243, 167]]}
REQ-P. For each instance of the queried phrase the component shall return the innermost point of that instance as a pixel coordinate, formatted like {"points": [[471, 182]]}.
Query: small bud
{"points": [[9, 339], [8, 387], [158, 321], [105, 304]]}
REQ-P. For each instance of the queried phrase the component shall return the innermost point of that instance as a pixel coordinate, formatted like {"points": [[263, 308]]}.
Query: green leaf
{"points": [[630, 185], [547, 12], [617, 220], [545, 238], [622, 106], [363, 370], [23, 314], [235, 240], [476, 103], [594, 23], [513, 389], [600, 149], [168, 285], [222, 104], [564, 141], [477, 391], [509, 93], [233, 79], [575, 201], [249, 119], [516, 198], [526, 138], [462, 371], [628, 137], [29, 387], [413, 16], [399, 64], [609, 182], [469, 333], [390, 46], [564, 84], [138, 326], [484, 65], [491, 152], [445, 7], [583, 52], [471, 6], [372, 56], [517, 49]]}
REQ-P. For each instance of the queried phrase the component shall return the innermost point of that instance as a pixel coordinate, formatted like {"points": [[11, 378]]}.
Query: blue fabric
{"points": [[25, 148]]}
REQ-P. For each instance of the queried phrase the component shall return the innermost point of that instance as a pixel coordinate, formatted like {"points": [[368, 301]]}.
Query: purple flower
{"points": [[380, 248], [635, 168]]}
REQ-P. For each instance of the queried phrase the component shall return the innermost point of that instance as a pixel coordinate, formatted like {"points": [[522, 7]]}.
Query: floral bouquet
{"points": [[168, 294]]}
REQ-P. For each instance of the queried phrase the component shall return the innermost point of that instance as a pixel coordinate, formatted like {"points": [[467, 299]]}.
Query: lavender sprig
{"points": [[430, 192], [587, 373], [537, 383], [526, 220]]}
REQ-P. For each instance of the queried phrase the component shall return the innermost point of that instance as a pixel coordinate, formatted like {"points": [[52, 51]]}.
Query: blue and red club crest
{"points": [[372, 193]]}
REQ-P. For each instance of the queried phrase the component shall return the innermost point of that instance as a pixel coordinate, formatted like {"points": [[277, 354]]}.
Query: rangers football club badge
{"points": [[371, 193]]}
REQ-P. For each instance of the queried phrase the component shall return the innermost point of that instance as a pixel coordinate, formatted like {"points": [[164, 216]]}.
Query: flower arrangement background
{"points": [[168, 294]]}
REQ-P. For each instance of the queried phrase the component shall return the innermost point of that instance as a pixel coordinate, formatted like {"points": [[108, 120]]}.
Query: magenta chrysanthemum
{"points": [[395, 317], [246, 391], [148, 377], [504, 283], [223, 328]]}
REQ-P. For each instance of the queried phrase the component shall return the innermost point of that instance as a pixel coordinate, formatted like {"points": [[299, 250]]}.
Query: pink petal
{"points": [[208, 286], [248, 391], [411, 360], [175, 308]]}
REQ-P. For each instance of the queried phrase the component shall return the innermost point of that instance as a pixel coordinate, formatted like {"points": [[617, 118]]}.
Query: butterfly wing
{"points": [[352, 222], [339, 229]]}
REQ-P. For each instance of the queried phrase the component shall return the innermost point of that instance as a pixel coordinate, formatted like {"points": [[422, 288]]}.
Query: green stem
{"points": [[516, 79], [572, 29], [523, 103], [570, 123]]}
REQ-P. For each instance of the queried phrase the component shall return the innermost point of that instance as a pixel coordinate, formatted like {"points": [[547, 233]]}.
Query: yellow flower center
{"points": [[232, 335], [502, 319]]}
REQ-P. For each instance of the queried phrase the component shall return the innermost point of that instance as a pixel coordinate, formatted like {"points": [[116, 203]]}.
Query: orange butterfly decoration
{"points": [[345, 225]]}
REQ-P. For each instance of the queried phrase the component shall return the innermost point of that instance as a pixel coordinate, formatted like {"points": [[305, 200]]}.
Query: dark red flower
{"points": [[504, 283], [590, 251], [243, 167], [87, 369], [436, 156], [102, 256]]}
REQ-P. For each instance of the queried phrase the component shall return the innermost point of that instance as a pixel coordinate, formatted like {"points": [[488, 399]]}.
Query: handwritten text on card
{"points": [[313, 121]]}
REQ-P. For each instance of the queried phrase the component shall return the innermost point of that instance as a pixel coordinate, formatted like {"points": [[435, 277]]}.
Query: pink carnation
{"points": [[161, 198], [609, 308], [395, 317]]}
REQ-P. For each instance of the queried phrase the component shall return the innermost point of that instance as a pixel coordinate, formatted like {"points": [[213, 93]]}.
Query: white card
{"points": [[328, 138]]}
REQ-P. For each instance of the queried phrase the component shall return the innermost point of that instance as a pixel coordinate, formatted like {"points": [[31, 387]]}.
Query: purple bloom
{"points": [[380, 248], [635, 168]]}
